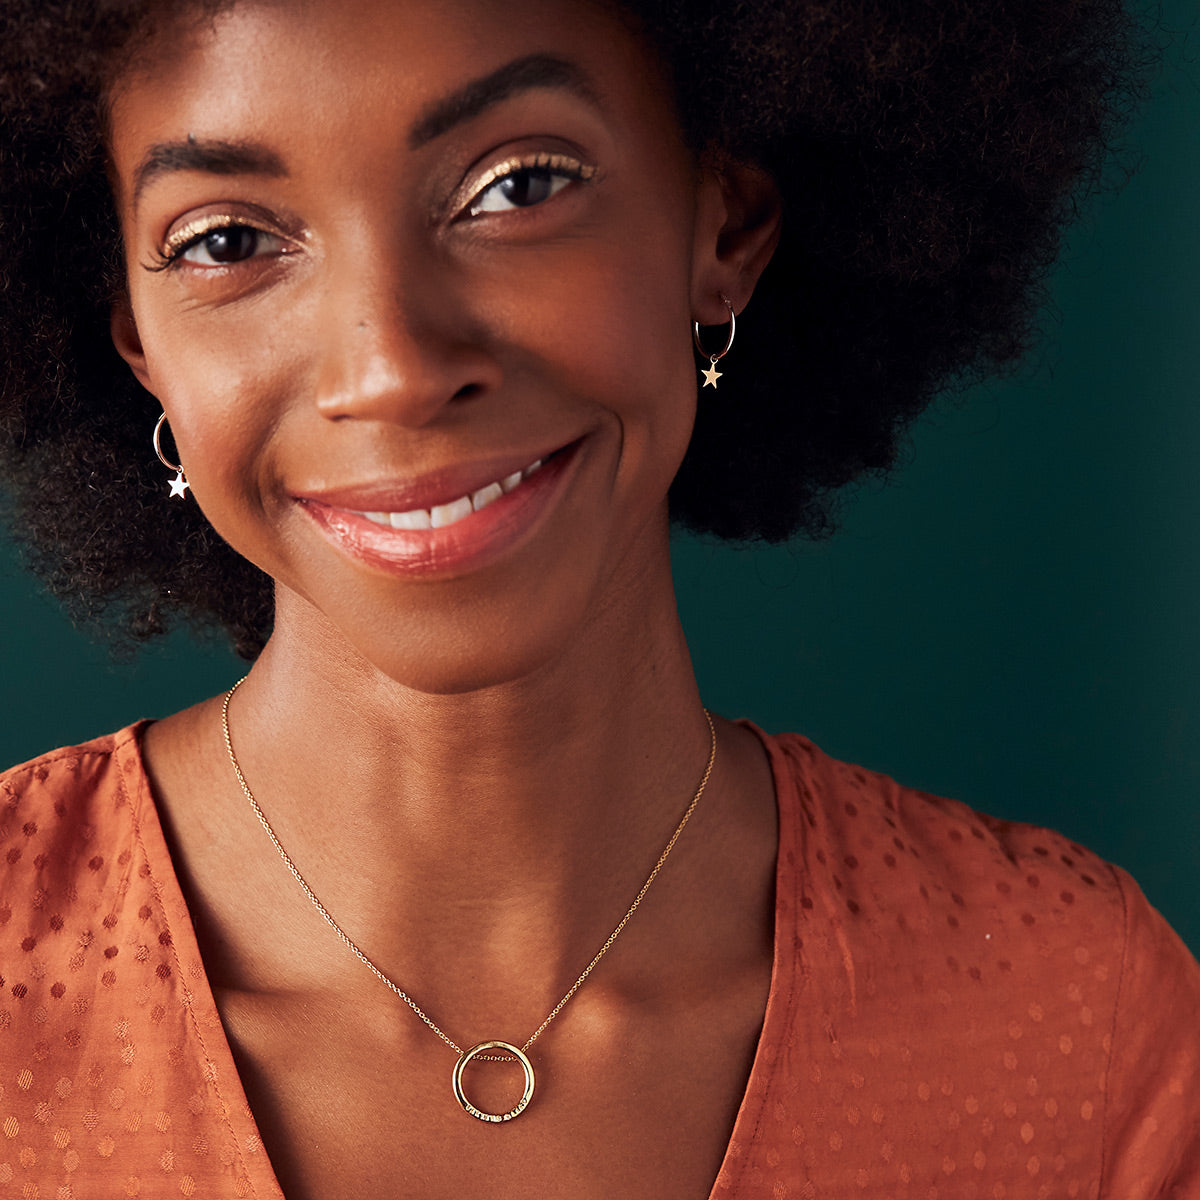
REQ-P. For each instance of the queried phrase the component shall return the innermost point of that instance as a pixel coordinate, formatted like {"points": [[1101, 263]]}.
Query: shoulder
{"points": [[919, 846], [64, 816], [65, 780], [1015, 947]]}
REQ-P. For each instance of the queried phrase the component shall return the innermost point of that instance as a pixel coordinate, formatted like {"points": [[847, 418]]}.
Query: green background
{"points": [[1011, 621]]}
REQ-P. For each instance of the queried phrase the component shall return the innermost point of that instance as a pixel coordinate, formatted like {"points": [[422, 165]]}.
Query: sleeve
{"points": [[1152, 1111]]}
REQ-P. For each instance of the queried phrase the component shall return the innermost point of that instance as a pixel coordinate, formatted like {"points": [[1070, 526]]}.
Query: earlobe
{"points": [[127, 340], [739, 217]]}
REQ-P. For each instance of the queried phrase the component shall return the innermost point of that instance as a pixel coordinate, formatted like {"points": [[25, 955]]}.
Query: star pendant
{"points": [[711, 375], [179, 485]]}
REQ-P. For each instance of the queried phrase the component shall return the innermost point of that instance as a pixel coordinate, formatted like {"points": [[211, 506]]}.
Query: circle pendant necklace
{"points": [[480, 1051]]}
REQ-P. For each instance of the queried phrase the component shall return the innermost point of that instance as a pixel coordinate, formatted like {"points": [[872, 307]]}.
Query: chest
{"points": [[350, 1105]]}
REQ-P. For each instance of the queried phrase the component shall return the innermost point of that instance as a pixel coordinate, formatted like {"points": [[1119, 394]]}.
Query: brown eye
{"points": [[228, 245], [527, 187], [520, 189]]}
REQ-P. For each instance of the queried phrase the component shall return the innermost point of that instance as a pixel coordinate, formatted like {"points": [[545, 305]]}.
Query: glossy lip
{"points": [[428, 490], [453, 549]]}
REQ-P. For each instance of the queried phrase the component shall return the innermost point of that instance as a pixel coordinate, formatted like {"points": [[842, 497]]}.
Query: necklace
{"points": [[480, 1050]]}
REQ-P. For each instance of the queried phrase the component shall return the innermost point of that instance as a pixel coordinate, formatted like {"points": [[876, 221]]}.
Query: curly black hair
{"points": [[929, 154]]}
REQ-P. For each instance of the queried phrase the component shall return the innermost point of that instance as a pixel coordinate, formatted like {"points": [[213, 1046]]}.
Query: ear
{"points": [[739, 216], [128, 342]]}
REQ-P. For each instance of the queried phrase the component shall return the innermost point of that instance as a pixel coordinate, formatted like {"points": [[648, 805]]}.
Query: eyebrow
{"points": [[520, 75], [205, 154], [219, 157]]}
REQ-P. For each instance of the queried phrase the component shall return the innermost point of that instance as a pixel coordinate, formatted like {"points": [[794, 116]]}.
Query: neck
{"points": [[584, 738], [523, 815]]}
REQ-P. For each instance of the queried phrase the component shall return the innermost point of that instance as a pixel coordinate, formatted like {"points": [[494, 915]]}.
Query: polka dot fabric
{"points": [[960, 1007], [115, 1076]]}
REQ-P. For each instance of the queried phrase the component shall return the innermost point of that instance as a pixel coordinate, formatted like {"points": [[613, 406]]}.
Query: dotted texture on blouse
{"points": [[960, 1007], [108, 1087]]}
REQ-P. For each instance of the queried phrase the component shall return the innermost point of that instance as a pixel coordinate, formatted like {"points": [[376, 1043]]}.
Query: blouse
{"points": [[959, 1006]]}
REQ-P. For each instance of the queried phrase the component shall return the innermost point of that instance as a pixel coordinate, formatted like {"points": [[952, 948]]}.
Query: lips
{"points": [[446, 524], [439, 516]]}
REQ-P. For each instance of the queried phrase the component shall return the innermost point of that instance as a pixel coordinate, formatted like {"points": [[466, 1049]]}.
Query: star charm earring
{"points": [[179, 484], [711, 375]]}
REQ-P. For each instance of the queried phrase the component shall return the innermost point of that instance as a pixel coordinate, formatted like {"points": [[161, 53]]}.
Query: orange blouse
{"points": [[960, 1007]]}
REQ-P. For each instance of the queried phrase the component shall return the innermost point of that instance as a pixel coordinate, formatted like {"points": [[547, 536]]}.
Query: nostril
{"points": [[467, 391]]}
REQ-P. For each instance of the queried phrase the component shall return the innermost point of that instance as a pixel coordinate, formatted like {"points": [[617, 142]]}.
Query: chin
{"points": [[459, 671], [453, 650]]}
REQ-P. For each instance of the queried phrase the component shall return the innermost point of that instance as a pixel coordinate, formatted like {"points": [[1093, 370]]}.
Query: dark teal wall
{"points": [[1012, 621]]}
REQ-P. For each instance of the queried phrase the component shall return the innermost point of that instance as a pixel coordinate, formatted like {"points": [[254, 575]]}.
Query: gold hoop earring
{"points": [[179, 484], [711, 375]]}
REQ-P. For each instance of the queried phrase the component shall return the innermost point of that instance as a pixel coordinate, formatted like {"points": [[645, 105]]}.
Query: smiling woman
{"points": [[462, 890]]}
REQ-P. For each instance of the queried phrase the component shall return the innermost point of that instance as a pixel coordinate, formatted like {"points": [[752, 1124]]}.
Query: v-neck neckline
{"points": [[218, 1054]]}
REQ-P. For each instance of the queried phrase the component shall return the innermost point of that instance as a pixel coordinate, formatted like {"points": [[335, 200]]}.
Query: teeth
{"points": [[446, 514], [419, 518], [484, 497], [442, 515]]}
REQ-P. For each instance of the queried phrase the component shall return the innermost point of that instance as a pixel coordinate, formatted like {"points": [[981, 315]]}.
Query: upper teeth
{"points": [[441, 515]]}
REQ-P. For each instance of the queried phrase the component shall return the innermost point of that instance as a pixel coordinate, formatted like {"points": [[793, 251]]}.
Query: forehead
{"points": [[378, 60]]}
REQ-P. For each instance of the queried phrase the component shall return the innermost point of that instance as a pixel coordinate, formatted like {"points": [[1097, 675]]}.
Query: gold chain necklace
{"points": [[509, 1051]]}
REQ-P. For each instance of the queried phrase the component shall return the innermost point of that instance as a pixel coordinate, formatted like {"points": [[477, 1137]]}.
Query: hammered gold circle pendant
{"points": [[526, 1066]]}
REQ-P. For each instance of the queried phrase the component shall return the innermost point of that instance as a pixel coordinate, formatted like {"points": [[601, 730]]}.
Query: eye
{"points": [[521, 189], [228, 245], [217, 240], [524, 183]]}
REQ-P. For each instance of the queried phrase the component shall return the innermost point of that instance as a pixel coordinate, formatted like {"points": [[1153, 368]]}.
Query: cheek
{"points": [[646, 371], [616, 327], [222, 398]]}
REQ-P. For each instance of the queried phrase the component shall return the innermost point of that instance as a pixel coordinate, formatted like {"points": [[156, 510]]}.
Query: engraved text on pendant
{"points": [[526, 1066]]}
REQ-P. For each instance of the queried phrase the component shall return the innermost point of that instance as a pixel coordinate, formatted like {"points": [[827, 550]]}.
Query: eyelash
{"points": [[558, 166], [562, 167], [194, 232]]}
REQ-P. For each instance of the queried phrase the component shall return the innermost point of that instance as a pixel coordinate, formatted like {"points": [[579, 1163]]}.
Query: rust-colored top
{"points": [[960, 1007]]}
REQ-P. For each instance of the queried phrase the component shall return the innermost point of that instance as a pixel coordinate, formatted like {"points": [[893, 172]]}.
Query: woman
{"points": [[410, 292]]}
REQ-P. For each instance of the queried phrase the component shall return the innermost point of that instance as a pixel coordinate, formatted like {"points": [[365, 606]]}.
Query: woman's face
{"points": [[385, 259]]}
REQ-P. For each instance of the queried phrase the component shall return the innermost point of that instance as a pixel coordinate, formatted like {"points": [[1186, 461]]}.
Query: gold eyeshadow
{"points": [[179, 239], [544, 161], [553, 162]]}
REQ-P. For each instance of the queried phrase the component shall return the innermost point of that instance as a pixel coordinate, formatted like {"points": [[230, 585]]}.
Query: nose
{"points": [[399, 354]]}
